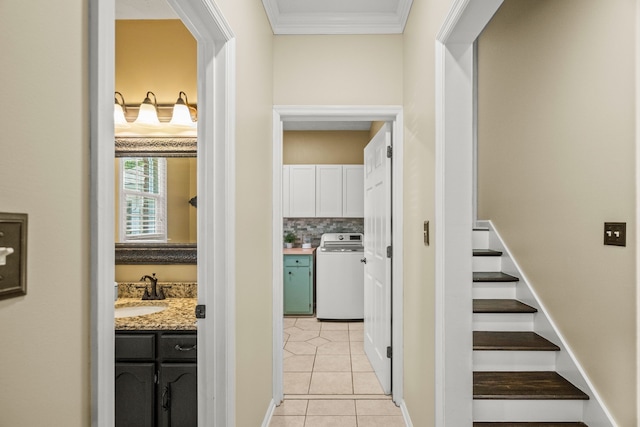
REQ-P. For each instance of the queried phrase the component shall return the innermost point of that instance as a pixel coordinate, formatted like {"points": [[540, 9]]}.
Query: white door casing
{"points": [[393, 115], [455, 124], [216, 209], [377, 270]]}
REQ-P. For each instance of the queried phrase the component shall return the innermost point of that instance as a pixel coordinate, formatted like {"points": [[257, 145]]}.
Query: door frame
{"points": [[455, 131], [307, 113], [216, 214]]}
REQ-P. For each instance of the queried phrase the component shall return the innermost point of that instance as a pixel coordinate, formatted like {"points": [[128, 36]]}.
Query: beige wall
{"points": [[44, 172], [158, 56], [254, 112], [324, 147], [419, 191], [333, 70], [556, 148]]}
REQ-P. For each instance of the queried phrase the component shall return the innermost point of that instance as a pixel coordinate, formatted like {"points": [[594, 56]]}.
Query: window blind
{"points": [[143, 199]]}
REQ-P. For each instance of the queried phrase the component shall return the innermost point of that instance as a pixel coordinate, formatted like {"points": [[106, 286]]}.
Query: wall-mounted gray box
{"points": [[13, 266]]}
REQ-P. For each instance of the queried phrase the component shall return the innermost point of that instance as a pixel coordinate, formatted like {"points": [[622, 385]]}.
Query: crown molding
{"points": [[337, 22]]}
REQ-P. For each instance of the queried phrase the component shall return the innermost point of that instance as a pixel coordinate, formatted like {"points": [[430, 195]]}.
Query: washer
{"points": [[340, 277]]}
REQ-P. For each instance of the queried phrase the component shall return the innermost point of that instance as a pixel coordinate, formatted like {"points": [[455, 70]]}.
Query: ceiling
{"points": [[304, 17]]}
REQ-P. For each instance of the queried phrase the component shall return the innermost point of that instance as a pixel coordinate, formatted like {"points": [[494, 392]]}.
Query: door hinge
{"points": [[389, 252], [389, 352], [201, 311], [389, 151]]}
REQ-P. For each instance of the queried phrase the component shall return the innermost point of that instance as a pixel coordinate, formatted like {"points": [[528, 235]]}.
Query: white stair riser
{"points": [[493, 290], [486, 263], [502, 322], [480, 239], [514, 360], [527, 410]]}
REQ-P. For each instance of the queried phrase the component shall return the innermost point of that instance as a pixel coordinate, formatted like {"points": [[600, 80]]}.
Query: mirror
{"points": [[181, 228]]}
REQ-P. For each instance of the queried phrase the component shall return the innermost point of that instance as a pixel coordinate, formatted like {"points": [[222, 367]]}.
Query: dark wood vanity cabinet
{"points": [[156, 379]]}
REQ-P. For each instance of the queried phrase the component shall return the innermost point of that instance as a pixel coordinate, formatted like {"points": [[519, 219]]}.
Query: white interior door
{"points": [[377, 271]]}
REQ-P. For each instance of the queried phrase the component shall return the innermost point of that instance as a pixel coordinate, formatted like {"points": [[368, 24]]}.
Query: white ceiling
{"points": [[144, 9], [337, 16], [302, 16]]}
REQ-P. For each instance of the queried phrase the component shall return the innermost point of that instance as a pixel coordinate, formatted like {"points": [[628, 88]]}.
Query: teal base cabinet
{"points": [[298, 284]]}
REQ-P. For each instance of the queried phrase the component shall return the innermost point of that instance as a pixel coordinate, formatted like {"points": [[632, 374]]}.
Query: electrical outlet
{"points": [[615, 233]]}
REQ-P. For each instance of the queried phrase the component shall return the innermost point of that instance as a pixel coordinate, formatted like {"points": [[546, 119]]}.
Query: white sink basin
{"points": [[138, 310]]}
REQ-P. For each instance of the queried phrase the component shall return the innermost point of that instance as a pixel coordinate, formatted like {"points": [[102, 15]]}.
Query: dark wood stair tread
{"points": [[511, 341], [501, 306], [530, 424], [486, 252], [543, 385], [493, 276]]}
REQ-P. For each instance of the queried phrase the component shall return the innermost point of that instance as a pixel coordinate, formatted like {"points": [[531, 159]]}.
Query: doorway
{"points": [[282, 114], [216, 56]]}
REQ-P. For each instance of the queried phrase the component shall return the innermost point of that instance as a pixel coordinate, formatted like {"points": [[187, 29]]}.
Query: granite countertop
{"points": [[179, 315], [298, 251]]}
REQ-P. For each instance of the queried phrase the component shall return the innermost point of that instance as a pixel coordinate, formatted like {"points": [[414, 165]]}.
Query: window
{"points": [[143, 207]]}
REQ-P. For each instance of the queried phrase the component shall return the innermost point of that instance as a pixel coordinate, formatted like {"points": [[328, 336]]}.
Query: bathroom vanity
{"points": [[156, 364]]}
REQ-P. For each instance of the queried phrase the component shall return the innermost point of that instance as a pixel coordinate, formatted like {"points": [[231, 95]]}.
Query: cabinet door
{"points": [[134, 400], [329, 191], [353, 191], [302, 191], [297, 290], [178, 395], [286, 183]]}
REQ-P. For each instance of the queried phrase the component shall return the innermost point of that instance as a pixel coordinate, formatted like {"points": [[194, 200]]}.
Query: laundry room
{"points": [[324, 260]]}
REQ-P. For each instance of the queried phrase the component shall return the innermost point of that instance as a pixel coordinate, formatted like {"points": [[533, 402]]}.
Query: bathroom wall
{"points": [[160, 56], [149, 50]]}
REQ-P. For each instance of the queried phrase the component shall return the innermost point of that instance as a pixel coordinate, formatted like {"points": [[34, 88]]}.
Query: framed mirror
{"points": [[178, 244]]}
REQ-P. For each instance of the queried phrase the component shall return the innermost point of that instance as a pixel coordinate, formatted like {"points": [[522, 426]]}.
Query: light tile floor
{"points": [[328, 380]]}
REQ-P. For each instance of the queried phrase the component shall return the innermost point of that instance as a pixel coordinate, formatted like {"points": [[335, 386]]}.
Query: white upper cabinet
{"points": [[328, 191], [353, 191], [323, 191], [286, 210], [302, 191]]}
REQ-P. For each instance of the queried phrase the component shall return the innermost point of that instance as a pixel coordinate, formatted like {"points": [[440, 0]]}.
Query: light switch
{"points": [[13, 254]]}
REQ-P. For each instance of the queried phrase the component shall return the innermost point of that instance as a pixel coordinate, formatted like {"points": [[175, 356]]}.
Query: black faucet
{"points": [[154, 295]]}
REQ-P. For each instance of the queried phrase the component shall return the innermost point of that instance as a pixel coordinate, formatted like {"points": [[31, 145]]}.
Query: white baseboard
{"points": [[269, 414]]}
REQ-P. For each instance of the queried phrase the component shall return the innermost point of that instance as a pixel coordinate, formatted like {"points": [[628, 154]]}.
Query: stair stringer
{"points": [[595, 413]]}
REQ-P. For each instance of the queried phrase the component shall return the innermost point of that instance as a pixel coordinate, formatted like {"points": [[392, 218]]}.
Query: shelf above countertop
{"points": [[299, 251], [179, 315]]}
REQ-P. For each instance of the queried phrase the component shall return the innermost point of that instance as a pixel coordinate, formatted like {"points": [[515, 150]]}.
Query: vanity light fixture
{"points": [[181, 112], [148, 113], [118, 112]]}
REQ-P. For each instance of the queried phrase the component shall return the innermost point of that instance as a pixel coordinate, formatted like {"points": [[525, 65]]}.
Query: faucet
{"points": [[154, 295]]}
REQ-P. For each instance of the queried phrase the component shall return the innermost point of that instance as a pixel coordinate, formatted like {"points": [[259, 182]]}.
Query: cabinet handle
{"points": [[181, 348], [166, 398], [363, 260]]}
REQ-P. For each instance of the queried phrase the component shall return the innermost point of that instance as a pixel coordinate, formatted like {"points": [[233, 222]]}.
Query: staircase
{"points": [[515, 378]]}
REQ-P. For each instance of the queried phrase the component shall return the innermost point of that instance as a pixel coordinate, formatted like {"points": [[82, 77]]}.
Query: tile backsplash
{"points": [[316, 227]]}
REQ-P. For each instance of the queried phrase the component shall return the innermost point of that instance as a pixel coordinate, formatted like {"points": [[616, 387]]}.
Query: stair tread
{"points": [[530, 424], [511, 341], [501, 306], [486, 252], [493, 276], [537, 385]]}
